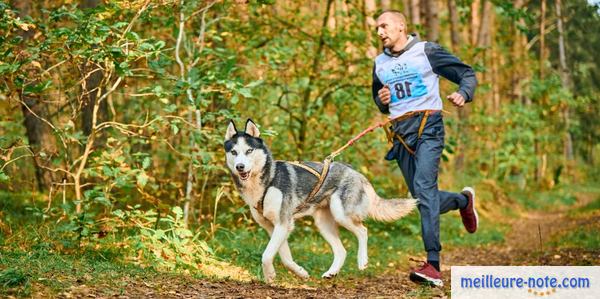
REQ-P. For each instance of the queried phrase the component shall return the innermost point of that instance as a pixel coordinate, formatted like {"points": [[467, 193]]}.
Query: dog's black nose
{"points": [[240, 167]]}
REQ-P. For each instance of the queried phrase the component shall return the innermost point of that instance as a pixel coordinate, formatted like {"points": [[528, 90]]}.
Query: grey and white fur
{"points": [[346, 198]]}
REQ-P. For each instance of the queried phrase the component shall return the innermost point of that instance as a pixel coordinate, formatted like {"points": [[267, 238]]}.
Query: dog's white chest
{"points": [[253, 191]]}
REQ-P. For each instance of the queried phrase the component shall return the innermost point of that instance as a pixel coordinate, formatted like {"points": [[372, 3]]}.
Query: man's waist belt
{"points": [[392, 135]]}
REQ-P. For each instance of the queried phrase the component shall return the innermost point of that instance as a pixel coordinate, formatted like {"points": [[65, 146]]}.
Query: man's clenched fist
{"points": [[456, 99], [385, 95]]}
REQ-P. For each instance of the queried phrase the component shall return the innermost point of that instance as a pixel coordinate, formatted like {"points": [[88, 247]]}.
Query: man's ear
{"points": [[252, 129], [402, 27], [231, 130]]}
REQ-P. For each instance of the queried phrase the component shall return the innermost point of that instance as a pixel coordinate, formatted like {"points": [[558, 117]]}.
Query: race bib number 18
{"points": [[405, 84]]}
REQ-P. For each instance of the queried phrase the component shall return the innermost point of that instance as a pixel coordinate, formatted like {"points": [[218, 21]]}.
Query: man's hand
{"points": [[385, 95], [456, 99]]}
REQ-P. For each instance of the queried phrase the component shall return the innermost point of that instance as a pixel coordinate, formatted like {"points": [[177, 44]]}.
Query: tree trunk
{"points": [[454, 25], [516, 58], [539, 173], [496, 61], [91, 89], [406, 9], [462, 113], [386, 4], [482, 18], [542, 39], [566, 81], [483, 34], [415, 12], [34, 110], [433, 22], [475, 21], [423, 11], [369, 13]]}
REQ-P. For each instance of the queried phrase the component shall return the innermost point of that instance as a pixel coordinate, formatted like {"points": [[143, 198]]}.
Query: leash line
{"points": [[383, 124], [329, 159]]}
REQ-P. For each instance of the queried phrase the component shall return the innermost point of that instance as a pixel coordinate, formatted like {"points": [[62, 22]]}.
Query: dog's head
{"points": [[246, 153]]}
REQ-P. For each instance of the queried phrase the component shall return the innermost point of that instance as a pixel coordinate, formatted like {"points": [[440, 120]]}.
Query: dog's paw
{"points": [[269, 277], [362, 264], [300, 272], [268, 273], [328, 275]]}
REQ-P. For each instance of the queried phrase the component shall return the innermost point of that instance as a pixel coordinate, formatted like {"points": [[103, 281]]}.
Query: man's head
{"points": [[391, 29]]}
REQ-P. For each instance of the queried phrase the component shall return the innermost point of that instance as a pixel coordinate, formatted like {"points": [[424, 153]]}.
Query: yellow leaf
{"points": [[364, 169], [25, 26]]}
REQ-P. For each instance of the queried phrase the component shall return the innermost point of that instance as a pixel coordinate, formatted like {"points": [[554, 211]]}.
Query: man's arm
{"points": [[451, 68], [375, 87]]}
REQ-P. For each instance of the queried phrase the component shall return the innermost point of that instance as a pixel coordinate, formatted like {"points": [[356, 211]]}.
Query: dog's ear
{"points": [[231, 130], [252, 129]]}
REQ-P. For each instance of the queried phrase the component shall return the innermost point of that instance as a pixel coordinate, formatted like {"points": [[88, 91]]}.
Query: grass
{"points": [[586, 237], [592, 206], [31, 261], [560, 196], [13, 278], [33, 257], [390, 245], [47, 269]]}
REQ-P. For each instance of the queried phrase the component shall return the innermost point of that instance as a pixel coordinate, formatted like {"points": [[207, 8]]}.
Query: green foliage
{"points": [[165, 240], [163, 100], [10, 278], [41, 269], [390, 244], [586, 237]]}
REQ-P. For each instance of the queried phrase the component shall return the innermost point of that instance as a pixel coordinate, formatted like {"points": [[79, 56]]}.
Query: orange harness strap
{"points": [[321, 176], [391, 135]]}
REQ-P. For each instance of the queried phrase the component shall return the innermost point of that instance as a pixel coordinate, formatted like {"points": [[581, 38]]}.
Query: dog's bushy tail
{"points": [[388, 209]]}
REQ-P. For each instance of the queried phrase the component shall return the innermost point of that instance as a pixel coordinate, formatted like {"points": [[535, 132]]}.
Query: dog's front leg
{"points": [[284, 251], [279, 235]]}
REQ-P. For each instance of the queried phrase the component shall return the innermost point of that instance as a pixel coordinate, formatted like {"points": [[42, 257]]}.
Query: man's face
{"points": [[389, 29]]}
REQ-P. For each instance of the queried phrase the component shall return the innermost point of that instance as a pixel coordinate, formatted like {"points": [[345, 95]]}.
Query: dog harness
{"points": [[309, 199], [321, 176]]}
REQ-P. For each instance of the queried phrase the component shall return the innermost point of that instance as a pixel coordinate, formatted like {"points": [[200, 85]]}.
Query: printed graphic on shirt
{"points": [[405, 83]]}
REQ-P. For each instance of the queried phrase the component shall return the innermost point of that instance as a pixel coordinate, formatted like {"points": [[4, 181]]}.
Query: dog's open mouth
{"points": [[244, 175]]}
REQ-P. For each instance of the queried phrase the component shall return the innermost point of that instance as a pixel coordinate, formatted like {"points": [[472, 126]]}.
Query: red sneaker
{"points": [[469, 214], [427, 274]]}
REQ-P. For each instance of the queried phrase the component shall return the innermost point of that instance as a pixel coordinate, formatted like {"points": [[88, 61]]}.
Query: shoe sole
{"points": [[472, 191], [419, 278]]}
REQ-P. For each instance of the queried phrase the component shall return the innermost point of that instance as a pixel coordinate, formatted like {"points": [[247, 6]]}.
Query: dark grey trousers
{"points": [[421, 175]]}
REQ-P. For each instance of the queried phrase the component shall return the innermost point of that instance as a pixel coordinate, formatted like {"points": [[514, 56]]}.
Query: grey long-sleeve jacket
{"points": [[413, 77]]}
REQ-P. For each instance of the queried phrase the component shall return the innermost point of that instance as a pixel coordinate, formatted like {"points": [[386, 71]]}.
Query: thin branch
{"points": [[15, 159], [137, 15], [62, 140], [536, 38], [203, 26]]}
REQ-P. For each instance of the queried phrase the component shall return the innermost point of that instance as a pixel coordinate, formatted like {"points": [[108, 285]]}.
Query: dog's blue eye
{"points": [[234, 153], [248, 152]]}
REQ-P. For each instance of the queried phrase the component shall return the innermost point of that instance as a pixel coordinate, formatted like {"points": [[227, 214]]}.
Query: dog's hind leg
{"points": [[329, 230], [286, 258], [354, 225]]}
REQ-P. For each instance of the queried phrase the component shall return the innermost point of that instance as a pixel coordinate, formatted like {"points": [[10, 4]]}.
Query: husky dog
{"points": [[275, 189]]}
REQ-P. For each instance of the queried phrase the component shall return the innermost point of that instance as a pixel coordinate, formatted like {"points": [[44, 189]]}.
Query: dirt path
{"points": [[522, 246]]}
